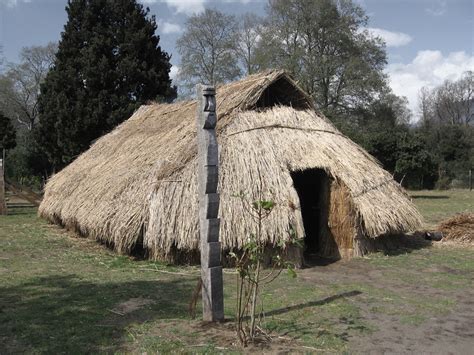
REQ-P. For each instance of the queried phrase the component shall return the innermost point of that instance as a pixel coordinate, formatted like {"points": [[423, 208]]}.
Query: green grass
{"points": [[436, 205], [60, 294]]}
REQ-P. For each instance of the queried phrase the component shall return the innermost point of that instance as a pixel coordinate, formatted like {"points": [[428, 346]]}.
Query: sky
{"points": [[428, 41]]}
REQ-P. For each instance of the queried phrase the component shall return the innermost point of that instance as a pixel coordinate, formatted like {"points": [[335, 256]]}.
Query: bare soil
{"points": [[131, 305], [448, 333]]}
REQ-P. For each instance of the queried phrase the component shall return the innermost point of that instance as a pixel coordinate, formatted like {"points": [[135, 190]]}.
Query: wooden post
{"points": [[470, 179], [3, 204], [208, 160]]}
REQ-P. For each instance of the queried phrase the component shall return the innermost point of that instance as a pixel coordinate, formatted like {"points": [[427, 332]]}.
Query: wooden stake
{"points": [[208, 160], [3, 204], [470, 179]]}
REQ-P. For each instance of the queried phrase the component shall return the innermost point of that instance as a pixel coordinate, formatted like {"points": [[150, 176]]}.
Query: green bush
{"points": [[26, 164]]}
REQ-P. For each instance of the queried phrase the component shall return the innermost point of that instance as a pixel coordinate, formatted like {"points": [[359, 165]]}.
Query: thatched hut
{"points": [[135, 188]]}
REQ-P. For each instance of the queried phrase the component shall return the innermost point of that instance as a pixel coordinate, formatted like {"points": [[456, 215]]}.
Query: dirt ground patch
{"points": [[131, 305], [441, 332]]}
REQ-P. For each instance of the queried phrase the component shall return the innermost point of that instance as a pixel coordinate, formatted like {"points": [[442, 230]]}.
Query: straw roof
{"points": [[138, 183]]}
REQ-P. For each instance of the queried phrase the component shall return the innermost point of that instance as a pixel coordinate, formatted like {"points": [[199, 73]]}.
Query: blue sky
{"points": [[428, 41]]}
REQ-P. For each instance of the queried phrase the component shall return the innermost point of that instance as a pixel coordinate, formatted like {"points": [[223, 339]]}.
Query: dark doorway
{"points": [[313, 188]]}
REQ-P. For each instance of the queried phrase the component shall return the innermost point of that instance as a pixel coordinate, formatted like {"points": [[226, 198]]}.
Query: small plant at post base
{"points": [[251, 277]]}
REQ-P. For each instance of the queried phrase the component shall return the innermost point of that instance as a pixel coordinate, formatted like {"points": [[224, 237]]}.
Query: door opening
{"points": [[313, 188]]}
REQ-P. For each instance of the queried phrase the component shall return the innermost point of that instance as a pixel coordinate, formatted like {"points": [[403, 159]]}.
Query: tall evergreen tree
{"points": [[108, 63]]}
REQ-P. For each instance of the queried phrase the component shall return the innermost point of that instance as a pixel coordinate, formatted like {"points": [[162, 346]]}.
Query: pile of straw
{"points": [[459, 228], [138, 183]]}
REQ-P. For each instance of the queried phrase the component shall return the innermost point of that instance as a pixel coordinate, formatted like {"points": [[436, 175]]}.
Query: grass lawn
{"points": [[60, 294], [437, 205]]}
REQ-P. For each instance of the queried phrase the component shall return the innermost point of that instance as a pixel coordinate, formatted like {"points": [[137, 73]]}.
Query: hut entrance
{"points": [[313, 188]]}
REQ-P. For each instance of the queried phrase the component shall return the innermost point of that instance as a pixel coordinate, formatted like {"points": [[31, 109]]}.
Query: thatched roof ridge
{"points": [[139, 180], [248, 93]]}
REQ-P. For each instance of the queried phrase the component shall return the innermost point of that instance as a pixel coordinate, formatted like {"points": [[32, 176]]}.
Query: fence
{"points": [[462, 180]]}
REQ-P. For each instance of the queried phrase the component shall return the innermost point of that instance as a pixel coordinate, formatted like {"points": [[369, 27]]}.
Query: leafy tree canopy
{"points": [[324, 45], [108, 63]]}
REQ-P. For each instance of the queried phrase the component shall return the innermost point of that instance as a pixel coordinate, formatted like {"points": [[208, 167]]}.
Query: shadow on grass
{"points": [[63, 314], [401, 244], [430, 197], [312, 260], [313, 303]]}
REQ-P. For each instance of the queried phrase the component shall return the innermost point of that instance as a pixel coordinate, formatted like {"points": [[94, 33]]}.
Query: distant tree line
{"points": [[447, 127], [324, 44], [60, 98]]}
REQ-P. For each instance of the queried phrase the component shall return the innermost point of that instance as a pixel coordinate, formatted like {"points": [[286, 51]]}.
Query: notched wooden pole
{"points": [[3, 203], [208, 161]]}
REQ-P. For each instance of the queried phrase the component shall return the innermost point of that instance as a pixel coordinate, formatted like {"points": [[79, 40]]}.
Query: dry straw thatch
{"points": [[459, 228], [138, 185]]}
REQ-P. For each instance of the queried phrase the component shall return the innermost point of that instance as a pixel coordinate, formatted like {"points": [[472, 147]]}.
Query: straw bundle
{"points": [[459, 228], [137, 184]]}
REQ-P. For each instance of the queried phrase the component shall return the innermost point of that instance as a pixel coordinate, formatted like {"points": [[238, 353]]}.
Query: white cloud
{"points": [[392, 39], [429, 68], [174, 71], [168, 27], [12, 3], [188, 7], [241, 1], [438, 10]]}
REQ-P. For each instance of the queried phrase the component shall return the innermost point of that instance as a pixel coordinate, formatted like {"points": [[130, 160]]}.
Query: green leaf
{"points": [[267, 205], [292, 272]]}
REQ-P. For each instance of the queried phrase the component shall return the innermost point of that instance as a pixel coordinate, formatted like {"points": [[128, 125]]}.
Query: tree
{"points": [[383, 129], [451, 103], [322, 43], [425, 106], [454, 101], [7, 133], [20, 85], [26, 163], [108, 63], [446, 116], [208, 49], [455, 145], [252, 277], [379, 127], [248, 38], [19, 90], [414, 160]]}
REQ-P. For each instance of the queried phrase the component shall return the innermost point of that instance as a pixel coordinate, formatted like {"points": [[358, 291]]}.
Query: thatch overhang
{"points": [[137, 184]]}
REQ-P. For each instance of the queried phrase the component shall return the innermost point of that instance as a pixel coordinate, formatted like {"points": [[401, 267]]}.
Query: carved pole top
{"points": [[208, 90], [207, 117]]}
